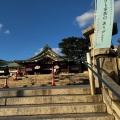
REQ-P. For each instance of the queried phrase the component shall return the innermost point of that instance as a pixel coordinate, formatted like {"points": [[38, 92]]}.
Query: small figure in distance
{"points": [[6, 71]]}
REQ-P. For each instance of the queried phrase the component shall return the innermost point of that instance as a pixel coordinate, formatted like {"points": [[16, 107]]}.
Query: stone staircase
{"points": [[72, 102], [46, 80]]}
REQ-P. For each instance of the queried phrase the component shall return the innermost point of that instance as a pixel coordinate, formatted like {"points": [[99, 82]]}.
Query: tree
{"points": [[72, 47]]}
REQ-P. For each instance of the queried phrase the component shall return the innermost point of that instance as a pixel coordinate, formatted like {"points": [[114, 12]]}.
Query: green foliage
{"points": [[73, 46]]}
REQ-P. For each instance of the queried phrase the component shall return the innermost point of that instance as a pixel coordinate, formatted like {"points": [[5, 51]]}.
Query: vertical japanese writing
{"points": [[111, 9], [105, 12], [104, 23]]}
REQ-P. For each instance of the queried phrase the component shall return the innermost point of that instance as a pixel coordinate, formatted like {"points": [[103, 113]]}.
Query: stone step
{"points": [[50, 109], [46, 90], [35, 81], [45, 80], [86, 116], [3, 77], [14, 84], [72, 102], [50, 99], [40, 82]]}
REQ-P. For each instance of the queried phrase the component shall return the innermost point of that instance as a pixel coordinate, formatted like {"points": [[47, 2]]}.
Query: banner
{"points": [[103, 23]]}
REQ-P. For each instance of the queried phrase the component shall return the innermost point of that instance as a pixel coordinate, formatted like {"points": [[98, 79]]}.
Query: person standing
{"points": [[6, 71]]}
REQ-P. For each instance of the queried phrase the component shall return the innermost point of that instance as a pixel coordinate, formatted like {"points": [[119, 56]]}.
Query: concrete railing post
{"points": [[92, 82]]}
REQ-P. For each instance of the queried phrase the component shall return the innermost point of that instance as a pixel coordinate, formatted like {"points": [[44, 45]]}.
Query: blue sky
{"points": [[26, 26]]}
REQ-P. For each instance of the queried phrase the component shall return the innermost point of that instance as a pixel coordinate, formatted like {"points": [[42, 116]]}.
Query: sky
{"points": [[26, 26]]}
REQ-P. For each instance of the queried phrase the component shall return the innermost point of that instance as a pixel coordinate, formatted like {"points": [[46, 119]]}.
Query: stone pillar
{"points": [[91, 41], [103, 60], [91, 79], [104, 63]]}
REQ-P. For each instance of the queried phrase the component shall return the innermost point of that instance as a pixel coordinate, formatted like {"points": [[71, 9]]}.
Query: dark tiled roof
{"points": [[47, 52]]}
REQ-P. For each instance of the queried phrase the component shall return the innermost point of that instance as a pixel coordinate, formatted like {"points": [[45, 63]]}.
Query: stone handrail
{"points": [[113, 89], [110, 92]]}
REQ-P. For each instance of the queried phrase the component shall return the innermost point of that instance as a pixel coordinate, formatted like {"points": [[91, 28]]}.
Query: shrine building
{"points": [[43, 62]]}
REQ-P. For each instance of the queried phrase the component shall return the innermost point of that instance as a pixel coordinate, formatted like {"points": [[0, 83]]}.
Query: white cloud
{"points": [[85, 18], [7, 32], [88, 17], [1, 25], [41, 49], [36, 53], [4, 31], [57, 50]]}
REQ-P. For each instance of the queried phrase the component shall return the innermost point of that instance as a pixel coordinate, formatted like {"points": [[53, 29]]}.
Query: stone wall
{"points": [[105, 62], [111, 101], [119, 65], [107, 66]]}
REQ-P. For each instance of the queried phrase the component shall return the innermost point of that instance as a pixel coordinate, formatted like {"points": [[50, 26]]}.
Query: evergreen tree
{"points": [[72, 47]]}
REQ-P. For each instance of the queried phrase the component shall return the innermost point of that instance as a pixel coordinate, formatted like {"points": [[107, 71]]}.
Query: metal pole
{"points": [[53, 82], [92, 82]]}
